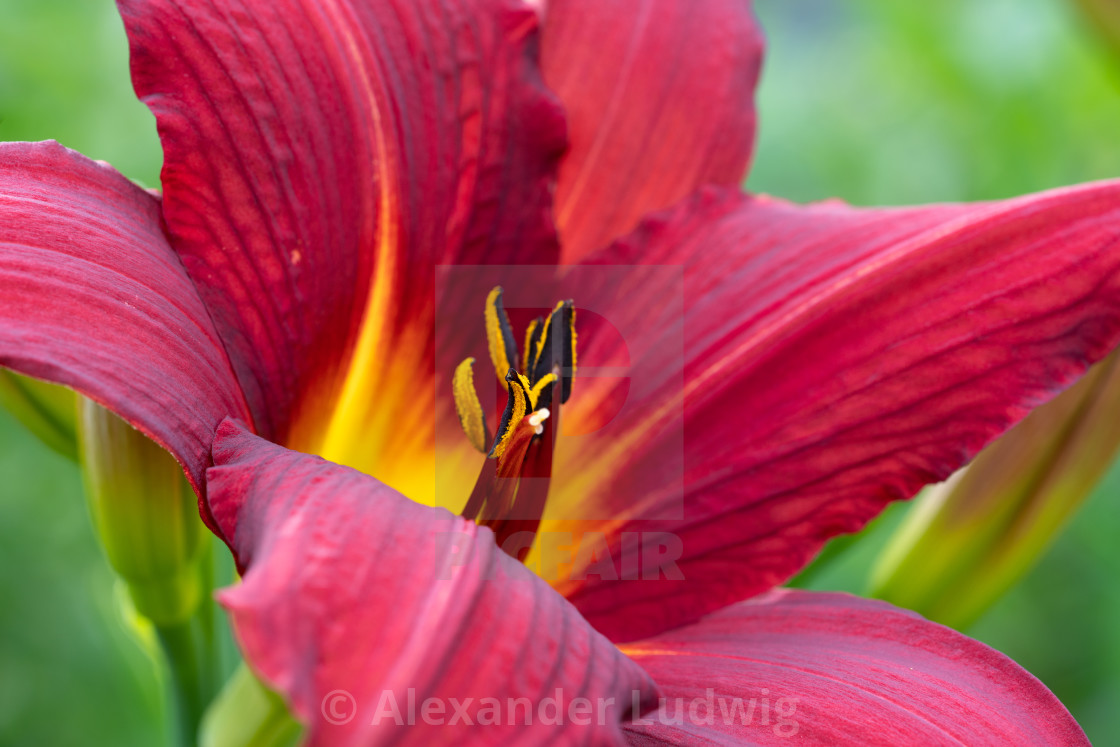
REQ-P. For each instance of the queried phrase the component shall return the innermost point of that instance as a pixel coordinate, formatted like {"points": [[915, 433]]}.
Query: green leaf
{"points": [[47, 410], [1104, 18], [970, 539]]}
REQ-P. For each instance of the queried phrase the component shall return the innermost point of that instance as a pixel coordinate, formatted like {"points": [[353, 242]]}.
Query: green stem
{"points": [[247, 714], [191, 653]]}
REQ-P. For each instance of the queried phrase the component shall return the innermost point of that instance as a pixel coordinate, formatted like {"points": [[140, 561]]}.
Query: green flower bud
{"points": [[145, 514]]}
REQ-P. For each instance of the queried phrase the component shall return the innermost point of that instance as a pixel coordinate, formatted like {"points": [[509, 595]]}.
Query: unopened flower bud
{"points": [[145, 514]]}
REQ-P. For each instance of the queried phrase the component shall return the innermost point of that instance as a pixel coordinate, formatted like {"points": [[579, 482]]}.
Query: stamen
{"points": [[516, 406], [512, 488], [555, 350], [495, 491], [499, 334], [542, 363], [536, 327], [511, 491], [468, 405], [538, 389], [537, 345]]}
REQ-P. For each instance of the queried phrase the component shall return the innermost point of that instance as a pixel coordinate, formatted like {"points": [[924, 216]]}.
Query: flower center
{"points": [[512, 488]]}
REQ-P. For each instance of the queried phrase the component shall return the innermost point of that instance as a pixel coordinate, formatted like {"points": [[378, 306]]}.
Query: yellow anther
{"points": [[528, 363], [548, 362], [516, 407], [572, 347], [499, 335], [468, 406], [535, 392], [546, 337]]}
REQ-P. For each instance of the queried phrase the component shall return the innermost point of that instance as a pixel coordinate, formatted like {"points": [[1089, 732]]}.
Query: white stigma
{"points": [[537, 420]]}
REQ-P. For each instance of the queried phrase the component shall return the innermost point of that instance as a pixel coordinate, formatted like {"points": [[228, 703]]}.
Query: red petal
{"points": [[838, 359], [660, 100], [352, 591], [320, 158], [94, 298], [835, 669]]}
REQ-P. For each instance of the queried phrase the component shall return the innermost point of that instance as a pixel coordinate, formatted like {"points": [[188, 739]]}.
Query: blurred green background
{"points": [[873, 101]]}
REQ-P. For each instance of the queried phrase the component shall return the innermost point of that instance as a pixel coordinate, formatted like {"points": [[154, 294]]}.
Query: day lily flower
{"points": [[345, 184]]}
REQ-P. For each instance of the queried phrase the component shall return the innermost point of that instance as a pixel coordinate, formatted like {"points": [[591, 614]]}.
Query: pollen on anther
{"points": [[537, 420]]}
